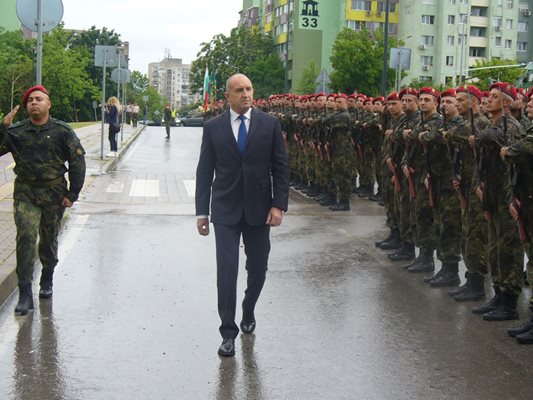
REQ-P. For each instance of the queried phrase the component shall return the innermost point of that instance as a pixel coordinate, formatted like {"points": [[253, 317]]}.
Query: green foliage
{"points": [[68, 73], [307, 83], [245, 51], [357, 60], [485, 77]]}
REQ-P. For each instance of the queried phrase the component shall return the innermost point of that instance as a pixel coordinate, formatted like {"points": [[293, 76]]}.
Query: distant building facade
{"points": [[446, 37], [8, 15], [171, 78]]}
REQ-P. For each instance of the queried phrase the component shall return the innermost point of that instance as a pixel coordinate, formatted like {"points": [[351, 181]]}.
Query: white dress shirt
{"points": [[236, 122]]}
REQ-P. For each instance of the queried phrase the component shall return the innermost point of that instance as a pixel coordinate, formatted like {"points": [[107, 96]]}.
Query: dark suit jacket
{"points": [[251, 183]]}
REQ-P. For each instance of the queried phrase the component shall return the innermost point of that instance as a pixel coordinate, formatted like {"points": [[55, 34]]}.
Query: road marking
{"points": [[115, 187], [190, 187], [76, 226], [144, 188]]}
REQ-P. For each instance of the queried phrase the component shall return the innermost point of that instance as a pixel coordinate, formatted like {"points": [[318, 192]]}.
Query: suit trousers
{"points": [[256, 247]]}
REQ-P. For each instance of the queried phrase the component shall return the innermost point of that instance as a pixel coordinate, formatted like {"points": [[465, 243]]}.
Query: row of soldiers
{"points": [[453, 170]]}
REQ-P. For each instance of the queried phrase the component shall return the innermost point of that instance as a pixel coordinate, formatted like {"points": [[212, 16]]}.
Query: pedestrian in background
{"points": [[244, 149], [113, 106], [167, 116], [40, 145], [135, 114]]}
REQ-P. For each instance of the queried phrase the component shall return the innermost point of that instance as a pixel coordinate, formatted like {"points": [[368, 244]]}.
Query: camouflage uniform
{"points": [[40, 153], [506, 256], [338, 124]]}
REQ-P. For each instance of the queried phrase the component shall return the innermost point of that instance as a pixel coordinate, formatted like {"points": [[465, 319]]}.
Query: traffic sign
{"points": [[28, 14]]}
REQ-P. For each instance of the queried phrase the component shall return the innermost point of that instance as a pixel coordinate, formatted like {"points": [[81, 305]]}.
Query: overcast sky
{"points": [[150, 26]]}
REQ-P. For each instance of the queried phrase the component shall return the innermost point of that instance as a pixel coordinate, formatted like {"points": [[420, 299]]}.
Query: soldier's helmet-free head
{"points": [[28, 92], [37, 104]]}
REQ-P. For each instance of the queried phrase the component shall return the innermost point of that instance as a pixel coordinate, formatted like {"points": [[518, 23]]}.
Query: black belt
{"points": [[42, 184]]}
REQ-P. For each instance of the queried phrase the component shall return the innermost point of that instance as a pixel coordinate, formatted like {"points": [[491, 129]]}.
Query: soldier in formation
{"points": [[453, 170]]}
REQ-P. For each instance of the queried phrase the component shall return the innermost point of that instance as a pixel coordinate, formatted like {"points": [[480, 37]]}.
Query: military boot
{"points": [[506, 311], [313, 191], [406, 253], [46, 283], [525, 338], [328, 200], [490, 305], [522, 328], [473, 289], [25, 303], [377, 197], [366, 191], [393, 233], [450, 277], [342, 205], [416, 261], [394, 243], [425, 263]]}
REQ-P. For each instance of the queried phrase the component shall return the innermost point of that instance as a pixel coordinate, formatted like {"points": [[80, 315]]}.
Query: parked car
{"points": [[192, 119]]}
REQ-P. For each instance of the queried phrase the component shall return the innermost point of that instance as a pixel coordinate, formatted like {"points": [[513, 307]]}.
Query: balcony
{"points": [[478, 41], [481, 3], [479, 21]]}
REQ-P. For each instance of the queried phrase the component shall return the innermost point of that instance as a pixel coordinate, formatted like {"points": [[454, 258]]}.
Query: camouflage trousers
{"points": [[387, 189], [506, 253], [403, 209], [342, 171], [423, 218], [32, 221], [475, 236], [447, 213], [367, 167]]}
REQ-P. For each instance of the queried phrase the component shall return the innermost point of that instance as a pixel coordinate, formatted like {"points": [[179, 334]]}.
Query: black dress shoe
{"points": [[523, 328], [247, 327], [227, 348]]}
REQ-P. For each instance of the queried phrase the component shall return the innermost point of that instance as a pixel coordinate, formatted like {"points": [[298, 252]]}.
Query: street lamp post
{"points": [[385, 50]]}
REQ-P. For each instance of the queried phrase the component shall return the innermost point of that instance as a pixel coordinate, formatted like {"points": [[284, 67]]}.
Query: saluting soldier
{"points": [[40, 145]]}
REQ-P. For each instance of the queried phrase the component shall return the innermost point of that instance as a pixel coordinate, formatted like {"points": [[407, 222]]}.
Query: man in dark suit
{"points": [[245, 150]]}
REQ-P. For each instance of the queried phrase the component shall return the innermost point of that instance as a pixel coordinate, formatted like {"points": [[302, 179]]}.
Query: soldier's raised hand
{"points": [[8, 119]]}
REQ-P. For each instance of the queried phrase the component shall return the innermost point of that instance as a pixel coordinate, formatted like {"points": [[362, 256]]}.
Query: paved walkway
{"points": [[91, 138]]}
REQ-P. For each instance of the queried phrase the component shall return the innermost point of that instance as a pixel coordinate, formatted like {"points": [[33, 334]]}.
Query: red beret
{"points": [[343, 95], [471, 89], [352, 96], [334, 95], [321, 94], [394, 96], [506, 88], [486, 93], [361, 96], [30, 91], [379, 98], [410, 91], [429, 90], [368, 99], [448, 93], [530, 92]]}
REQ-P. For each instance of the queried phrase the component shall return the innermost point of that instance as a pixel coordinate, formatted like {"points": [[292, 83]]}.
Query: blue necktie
{"points": [[241, 137]]}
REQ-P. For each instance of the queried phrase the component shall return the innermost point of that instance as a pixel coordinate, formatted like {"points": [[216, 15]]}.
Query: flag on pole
{"points": [[206, 87]]}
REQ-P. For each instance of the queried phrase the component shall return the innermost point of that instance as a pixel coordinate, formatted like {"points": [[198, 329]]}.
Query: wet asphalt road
{"points": [[134, 309]]}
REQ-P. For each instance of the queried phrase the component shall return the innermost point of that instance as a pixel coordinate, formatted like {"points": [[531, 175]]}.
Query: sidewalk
{"points": [[90, 137]]}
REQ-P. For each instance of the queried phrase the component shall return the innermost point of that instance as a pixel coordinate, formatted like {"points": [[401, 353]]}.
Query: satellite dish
{"points": [[27, 11]]}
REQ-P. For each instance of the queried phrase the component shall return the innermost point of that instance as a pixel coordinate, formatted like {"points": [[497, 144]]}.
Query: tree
{"points": [[307, 83], [246, 51], [485, 77], [357, 60]]}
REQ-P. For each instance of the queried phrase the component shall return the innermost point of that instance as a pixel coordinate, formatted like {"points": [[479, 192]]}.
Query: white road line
{"points": [[144, 188], [115, 187], [190, 186], [75, 227]]}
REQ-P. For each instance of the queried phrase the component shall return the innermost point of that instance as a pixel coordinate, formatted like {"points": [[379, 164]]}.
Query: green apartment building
{"points": [[445, 37], [8, 15]]}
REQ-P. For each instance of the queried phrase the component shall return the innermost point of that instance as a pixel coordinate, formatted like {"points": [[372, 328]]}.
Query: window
{"points": [[478, 11], [463, 18], [478, 31], [426, 60], [497, 22], [381, 25], [498, 41], [521, 46], [381, 7], [508, 43], [357, 25], [451, 2], [508, 24], [427, 40], [361, 5], [477, 52], [460, 40], [426, 79], [451, 40], [449, 61], [463, 1], [509, 3], [428, 19], [451, 19], [429, 2], [522, 26]]}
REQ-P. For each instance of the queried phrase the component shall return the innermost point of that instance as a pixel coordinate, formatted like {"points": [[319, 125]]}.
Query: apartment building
{"points": [[171, 78], [305, 30], [446, 37], [8, 15]]}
